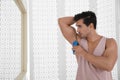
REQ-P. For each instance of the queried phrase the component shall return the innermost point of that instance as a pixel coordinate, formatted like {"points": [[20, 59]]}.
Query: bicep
{"points": [[68, 32], [111, 51]]}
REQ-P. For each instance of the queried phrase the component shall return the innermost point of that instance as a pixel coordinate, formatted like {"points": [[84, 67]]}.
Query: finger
{"points": [[73, 48]]}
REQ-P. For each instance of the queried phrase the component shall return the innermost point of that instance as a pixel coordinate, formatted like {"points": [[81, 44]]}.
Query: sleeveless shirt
{"points": [[86, 70]]}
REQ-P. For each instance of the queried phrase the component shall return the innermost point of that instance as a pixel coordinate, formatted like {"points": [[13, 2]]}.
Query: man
{"points": [[96, 55]]}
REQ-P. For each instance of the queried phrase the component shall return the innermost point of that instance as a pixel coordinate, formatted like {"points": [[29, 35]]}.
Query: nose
{"points": [[77, 30]]}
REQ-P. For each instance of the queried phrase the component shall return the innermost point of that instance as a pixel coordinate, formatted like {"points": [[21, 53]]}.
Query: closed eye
{"points": [[79, 26]]}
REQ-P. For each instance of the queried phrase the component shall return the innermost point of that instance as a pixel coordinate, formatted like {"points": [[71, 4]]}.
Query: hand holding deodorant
{"points": [[75, 43]]}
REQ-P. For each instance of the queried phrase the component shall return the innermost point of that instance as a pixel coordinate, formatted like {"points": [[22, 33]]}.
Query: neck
{"points": [[93, 36]]}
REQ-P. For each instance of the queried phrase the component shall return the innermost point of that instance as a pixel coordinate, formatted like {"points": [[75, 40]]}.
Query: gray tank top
{"points": [[86, 71]]}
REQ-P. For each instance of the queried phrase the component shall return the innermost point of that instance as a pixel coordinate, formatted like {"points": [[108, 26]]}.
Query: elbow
{"points": [[109, 68], [59, 20]]}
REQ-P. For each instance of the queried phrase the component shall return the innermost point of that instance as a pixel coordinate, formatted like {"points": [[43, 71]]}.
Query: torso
{"points": [[93, 45], [85, 68]]}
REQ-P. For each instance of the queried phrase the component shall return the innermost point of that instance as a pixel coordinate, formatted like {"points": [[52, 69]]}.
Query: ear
{"points": [[91, 26]]}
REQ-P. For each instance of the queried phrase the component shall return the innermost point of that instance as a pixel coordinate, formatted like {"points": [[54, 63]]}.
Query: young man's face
{"points": [[82, 29]]}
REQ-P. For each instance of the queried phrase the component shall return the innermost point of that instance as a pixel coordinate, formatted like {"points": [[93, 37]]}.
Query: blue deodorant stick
{"points": [[75, 43]]}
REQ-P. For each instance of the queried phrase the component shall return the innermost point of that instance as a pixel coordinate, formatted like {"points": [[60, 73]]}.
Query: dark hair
{"points": [[88, 17]]}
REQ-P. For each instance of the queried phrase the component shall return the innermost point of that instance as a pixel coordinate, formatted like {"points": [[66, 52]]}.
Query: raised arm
{"points": [[67, 30]]}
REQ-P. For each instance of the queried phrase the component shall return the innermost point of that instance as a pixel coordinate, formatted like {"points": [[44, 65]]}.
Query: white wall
{"points": [[48, 47]]}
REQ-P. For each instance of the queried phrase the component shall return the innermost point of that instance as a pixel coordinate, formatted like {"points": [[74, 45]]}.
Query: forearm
{"points": [[100, 62], [66, 20]]}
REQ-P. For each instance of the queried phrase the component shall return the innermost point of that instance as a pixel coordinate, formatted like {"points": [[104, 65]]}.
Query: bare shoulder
{"points": [[111, 42], [111, 47]]}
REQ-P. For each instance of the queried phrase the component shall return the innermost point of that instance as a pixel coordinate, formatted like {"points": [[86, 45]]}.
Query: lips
{"points": [[78, 32]]}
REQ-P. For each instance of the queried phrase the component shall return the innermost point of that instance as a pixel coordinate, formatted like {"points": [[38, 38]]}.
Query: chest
{"points": [[92, 46]]}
